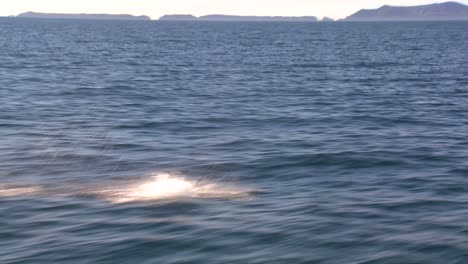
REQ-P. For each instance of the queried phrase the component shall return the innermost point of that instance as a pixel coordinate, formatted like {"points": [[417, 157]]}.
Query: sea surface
{"points": [[212, 142]]}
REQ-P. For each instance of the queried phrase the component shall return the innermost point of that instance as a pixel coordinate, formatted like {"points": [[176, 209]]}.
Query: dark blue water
{"points": [[148, 142]]}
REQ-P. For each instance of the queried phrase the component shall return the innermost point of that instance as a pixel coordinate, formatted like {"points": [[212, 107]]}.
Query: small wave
{"points": [[164, 186]]}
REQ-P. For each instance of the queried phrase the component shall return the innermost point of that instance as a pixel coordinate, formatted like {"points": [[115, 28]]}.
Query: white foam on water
{"points": [[11, 190], [165, 186]]}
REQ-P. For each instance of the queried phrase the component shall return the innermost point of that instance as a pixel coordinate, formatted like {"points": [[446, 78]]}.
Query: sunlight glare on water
{"points": [[170, 186], [7, 190]]}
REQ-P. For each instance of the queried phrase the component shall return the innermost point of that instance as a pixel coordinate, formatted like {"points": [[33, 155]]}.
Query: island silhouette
{"points": [[83, 16], [431, 12], [238, 18]]}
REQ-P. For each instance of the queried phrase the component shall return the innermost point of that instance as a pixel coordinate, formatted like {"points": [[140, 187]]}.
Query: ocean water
{"points": [[151, 142]]}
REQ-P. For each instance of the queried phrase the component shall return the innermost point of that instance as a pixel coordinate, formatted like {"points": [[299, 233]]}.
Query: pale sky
{"points": [[156, 8]]}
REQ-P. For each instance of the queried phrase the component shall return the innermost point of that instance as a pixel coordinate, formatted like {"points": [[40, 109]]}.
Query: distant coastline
{"points": [[83, 16], [239, 18], [432, 12], [448, 11]]}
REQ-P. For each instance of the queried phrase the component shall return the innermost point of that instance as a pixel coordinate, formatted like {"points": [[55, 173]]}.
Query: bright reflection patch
{"points": [[8, 191], [168, 186]]}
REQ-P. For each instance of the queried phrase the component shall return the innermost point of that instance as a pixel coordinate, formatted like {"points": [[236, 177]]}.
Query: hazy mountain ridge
{"points": [[83, 16], [178, 17], [442, 11], [239, 18], [430, 12]]}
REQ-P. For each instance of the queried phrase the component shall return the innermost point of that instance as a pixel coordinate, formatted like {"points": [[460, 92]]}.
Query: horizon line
{"points": [[319, 18]]}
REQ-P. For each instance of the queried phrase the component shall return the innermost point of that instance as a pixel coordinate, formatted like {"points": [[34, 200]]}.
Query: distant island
{"points": [[179, 17], [238, 18], [82, 16], [432, 12], [327, 19]]}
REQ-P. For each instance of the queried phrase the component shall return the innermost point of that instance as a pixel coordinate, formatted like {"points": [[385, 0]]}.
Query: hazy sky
{"points": [[157, 8]]}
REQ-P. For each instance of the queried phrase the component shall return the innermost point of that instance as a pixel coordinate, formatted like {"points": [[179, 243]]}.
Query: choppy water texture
{"points": [[149, 142]]}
